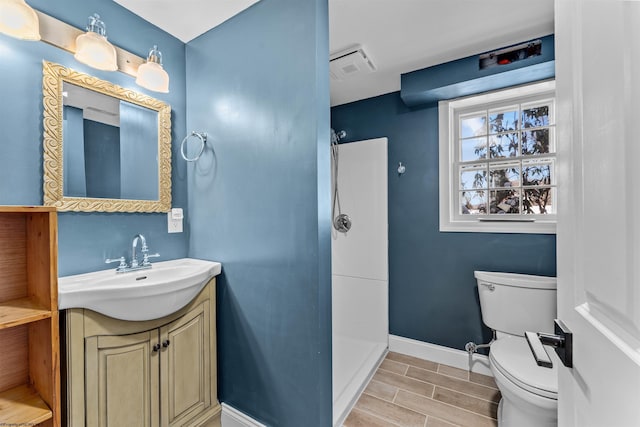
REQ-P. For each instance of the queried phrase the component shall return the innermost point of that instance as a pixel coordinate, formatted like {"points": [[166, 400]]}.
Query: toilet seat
{"points": [[512, 357]]}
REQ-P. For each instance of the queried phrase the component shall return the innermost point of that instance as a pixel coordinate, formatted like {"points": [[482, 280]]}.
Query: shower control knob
{"points": [[342, 223]]}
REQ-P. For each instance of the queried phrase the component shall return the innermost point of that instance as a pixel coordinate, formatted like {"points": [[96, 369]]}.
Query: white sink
{"points": [[138, 295]]}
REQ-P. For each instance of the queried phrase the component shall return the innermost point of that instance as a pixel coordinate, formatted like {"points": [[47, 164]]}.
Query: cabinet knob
{"points": [[156, 347], [166, 343]]}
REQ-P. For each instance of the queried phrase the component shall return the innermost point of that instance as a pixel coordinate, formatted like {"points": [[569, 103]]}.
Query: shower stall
{"points": [[359, 267]]}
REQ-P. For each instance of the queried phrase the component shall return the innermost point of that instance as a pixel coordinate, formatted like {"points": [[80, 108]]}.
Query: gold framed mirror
{"points": [[106, 148]]}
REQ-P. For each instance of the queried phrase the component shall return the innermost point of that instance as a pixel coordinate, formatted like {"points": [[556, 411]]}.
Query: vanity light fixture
{"points": [[151, 75], [93, 49], [19, 20]]}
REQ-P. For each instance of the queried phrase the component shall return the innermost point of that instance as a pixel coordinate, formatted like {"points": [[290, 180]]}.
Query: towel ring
{"points": [[203, 139]]}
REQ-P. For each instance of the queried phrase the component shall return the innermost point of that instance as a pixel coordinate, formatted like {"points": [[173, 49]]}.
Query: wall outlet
{"points": [[174, 220]]}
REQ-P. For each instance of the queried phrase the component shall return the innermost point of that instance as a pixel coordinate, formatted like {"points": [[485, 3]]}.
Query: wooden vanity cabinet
{"points": [[185, 390], [153, 373], [29, 338], [122, 380]]}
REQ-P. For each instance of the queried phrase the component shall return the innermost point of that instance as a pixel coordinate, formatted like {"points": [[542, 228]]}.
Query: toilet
{"points": [[512, 304]]}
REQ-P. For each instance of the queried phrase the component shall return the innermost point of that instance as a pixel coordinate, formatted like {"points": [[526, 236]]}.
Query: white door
{"points": [[598, 125]]}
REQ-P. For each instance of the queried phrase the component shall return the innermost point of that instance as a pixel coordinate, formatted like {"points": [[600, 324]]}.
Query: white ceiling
{"points": [[406, 35], [186, 19], [398, 35]]}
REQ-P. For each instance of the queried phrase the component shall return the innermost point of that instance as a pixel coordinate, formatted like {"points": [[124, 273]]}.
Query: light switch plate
{"points": [[176, 213], [174, 225]]}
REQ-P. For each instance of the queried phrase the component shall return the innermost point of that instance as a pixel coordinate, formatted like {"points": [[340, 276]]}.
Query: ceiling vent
{"points": [[349, 63]]}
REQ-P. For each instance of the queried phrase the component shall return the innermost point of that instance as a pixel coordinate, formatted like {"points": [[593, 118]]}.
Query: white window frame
{"points": [[450, 218]]}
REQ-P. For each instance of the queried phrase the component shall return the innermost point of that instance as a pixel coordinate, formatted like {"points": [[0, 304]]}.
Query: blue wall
{"points": [[259, 203], [432, 291], [464, 77], [85, 239], [74, 175], [102, 159], [138, 135]]}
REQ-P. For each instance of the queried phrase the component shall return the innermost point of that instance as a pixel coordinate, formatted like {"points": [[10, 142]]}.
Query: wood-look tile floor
{"points": [[409, 392]]}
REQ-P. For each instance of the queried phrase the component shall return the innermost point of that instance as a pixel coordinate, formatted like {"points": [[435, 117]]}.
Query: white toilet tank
{"points": [[514, 303]]}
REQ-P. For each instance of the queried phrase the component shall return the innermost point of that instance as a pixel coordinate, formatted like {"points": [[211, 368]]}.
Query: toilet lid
{"points": [[513, 358]]}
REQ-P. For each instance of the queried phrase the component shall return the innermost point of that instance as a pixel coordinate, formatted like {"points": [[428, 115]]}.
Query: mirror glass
{"points": [[106, 148], [110, 146]]}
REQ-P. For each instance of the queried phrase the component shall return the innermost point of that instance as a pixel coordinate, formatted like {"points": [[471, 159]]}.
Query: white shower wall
{"points": [[360, 271]]}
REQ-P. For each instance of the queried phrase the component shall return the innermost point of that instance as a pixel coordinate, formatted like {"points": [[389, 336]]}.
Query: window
{"points": [[498, 160]]}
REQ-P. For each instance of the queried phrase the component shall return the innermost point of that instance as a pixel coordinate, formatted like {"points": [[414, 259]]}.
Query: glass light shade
{"points": [[18, 20], [151, 75], [93, 49]]}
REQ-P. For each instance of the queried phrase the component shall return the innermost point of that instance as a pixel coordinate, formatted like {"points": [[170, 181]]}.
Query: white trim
{"points": [[231, 417], [528, 89], [439, 354], [449, 221]]}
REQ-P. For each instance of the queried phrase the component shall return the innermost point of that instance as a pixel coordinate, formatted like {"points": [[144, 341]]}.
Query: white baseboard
{"points": [[231, 417], [437, 353]]}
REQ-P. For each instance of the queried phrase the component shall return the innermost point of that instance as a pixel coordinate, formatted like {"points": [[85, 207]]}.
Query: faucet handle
{"points": [[145, 259], [121, 260]]}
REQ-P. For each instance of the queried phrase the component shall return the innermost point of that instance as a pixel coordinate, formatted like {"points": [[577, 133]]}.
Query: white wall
{"points": [[362, 181]]}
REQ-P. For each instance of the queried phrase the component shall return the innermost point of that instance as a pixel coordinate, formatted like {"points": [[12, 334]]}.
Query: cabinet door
{"points": [[186, 367], [122, 375]]}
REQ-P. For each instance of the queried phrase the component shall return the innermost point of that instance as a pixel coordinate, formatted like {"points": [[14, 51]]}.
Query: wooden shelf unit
{"points": [[29, 336], [24, 407], [20, 311]]}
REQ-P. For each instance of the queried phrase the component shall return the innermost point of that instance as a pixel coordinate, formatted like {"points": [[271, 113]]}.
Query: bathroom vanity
{"points": [[159, 372]]}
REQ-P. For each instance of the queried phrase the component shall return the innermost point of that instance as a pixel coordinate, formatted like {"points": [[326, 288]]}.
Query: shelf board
{"points": [[23, 406], [20, 311], [26, 209]]}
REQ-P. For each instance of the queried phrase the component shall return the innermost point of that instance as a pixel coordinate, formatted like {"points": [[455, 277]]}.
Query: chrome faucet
{"points": [[143, 249], [135, 264]]}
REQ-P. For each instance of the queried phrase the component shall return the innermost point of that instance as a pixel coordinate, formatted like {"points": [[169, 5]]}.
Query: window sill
{"points": [[498, 226]]}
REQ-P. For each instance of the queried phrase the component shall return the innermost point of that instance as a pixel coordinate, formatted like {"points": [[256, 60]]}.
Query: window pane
{"points": [[538, 172], [473, 202], [535, 142], [473, 149], [538, 201], [535, 116], [504, 202], [501, 159], [473, 177], [471, 126], [504, 175], [503, 121], [503, 145]]}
